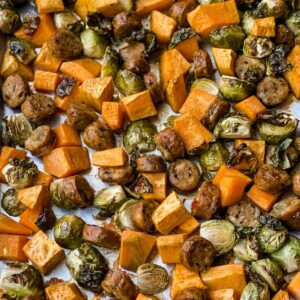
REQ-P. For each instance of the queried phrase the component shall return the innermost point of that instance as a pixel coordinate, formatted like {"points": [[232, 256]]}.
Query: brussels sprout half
{"points": [[288, 256], [22, 50], [68, 231], [139, 136], [276, 126], [109, 200], [220, 233], [10, 203], [229, 37], [233, 126], [21, 280], [63, 20], [110, 63], [235, 89], [206, 85], [88, 267], [256, 291], [247, 21], [271, 8], [258, 47], [9, 20], [246, 249], [293, 22]]}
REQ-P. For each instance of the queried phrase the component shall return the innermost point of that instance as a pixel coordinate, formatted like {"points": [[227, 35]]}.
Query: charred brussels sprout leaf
{"points": [[269, 271], [21, 280], [68, 231], [181, 35], [211, 160], [246, 249], [22, 50], [256, 291], [293, 22], [9, 21], [270, 240], [141, 185], [233, 126], [206, 85], [247, 21], [235, 89], [276, 126], [277, 62], [271, 8], [139, 136], [65, 87], [94, 45], [288, 256], [129, 83], [46, 219], [16, 129], [10, 203], [88, 267], [229, 37], [109, 200], [123, 217], [99, 24], [110, 63], [30, 23], [19, 173], [220, 233], [258, 47]]}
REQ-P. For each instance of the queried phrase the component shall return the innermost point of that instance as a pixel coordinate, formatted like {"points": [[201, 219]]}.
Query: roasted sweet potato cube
{"points": [[188, 47], [67, 136], [224, 294], [113, 115], [81, 9], [45, 81], [188, 227], [35, 196], [11, 247], [29, 217], [264, 27], [63, 103], [43, 252], [50, 6], [281, 295], [143, 7], [225, 60], [10, 226], [293, 78], [159, 184], [108, 8], [170, 214], [114, 157], [176, 93], [42, 179], [64, 291], [46, 61], [145, 297], [294, 287]]}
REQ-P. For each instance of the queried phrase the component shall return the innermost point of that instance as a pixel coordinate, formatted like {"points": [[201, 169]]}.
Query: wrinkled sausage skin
{"points": [[150, 164], [115, 175]]}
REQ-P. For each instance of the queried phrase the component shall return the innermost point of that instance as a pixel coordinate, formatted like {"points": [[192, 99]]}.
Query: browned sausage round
{"points": [[272, 90], [65, 45], [102, 236], [192, 294], [14, 90], [180, 9], [131, 50], [141, 215], [41, 141], [296, 184], [125, 23], [202, 64], [150, 163], [284, 35], [170, 144], [116, 175], [197, 253], [184, 175], [137, 65], [119, 285], [294, 222], [97, 137], [154, 87], [38, 107], [271, 179], [207, 201], [80, 115]]}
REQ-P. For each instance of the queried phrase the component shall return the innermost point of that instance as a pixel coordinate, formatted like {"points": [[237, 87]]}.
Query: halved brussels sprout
{"points": [[271, 8], [288, 256], [19, 173], [30, 23], [10, 203], [233, 126], [88, 267], [21, 280], [206, 85], [16, 129], [258, 47], [139, 136], [246, 249], [46, 219], [256, 291], [211, 160], [141, 185], [235, 89], [94, 45], [286, 208], [277, 62], [9, 20], [293, 22], [229, 37], [110, 63], [68, 231], [129, 83], [123, 217], [284, 155], [275, 126], [22, 50], [270, 240], [71, 192], [220, 233], [64, 19], [99, 24], [269, 271], [109, 200], [181, 35], [248, 21]]}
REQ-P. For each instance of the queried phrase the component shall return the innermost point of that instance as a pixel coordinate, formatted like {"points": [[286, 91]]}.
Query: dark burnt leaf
{"points": [[30, 23], [46, 219], [18, 48], [6, 138], [65, 87], [271, 222], [69, 2], [277, 62], [141, 185], [100, 24], [280, 151], [76, 27], [224, 259], [181, 35]]}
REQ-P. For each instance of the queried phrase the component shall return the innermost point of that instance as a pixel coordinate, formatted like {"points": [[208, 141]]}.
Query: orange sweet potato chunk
{"points": [[11, 247], [46, 61], [113, 115], [114, 157], [67, 136], [45, 81], [144, 7]]}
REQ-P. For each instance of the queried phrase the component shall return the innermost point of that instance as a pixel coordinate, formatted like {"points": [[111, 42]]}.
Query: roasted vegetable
{"points": [[109, 200], [233, 126], [71, 192], [268, 8], [181, 35], [87, 266], [123, 217], [276, 126], [20, 173], [9, 20], [110, 63], [65, 19], [46, 219], [256, 291], [246, 249], [206, 85], [220, 233], [258, 47], [139, 136], [293, 22], [10, 203], [235, 89], [68, 231], [21, 280], [99, 23], [22, 50], [116, 175], [129, 83], [152, 279], [229, 37], [125, 23], [277, 62], [94, 45]]}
